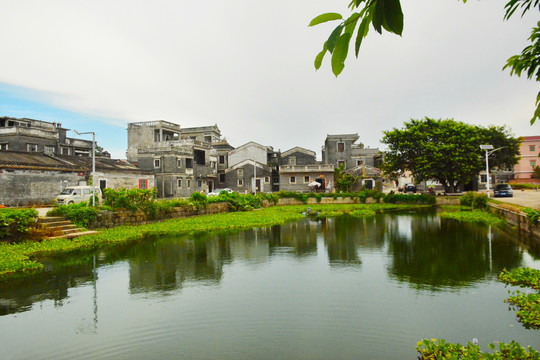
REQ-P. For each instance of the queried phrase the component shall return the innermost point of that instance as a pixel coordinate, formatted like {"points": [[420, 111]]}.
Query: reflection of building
{"points": [[530, 152]]}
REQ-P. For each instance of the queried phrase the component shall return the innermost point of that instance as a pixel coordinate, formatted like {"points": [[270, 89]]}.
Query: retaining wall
{"points": [[516, 218], [109, 219]]}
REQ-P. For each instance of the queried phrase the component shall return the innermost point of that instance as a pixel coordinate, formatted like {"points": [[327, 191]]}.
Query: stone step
{"points": [[61, 227], [49, 219], [56, 223]]}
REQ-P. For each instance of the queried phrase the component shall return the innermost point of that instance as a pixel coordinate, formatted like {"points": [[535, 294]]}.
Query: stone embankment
{"points": [[109, 219], [516, 218]]}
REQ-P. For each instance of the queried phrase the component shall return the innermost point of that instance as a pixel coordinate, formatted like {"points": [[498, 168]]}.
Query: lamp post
{"points": [[487, 148], [93, 163]]}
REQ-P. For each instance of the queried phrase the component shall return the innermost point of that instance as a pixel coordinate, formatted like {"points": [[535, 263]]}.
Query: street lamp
{"points": [[487, 148], [93, 163]]}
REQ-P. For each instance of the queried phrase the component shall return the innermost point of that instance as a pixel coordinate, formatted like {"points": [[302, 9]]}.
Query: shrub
{"points": [[474, 200], [199, 200], [392, 198], [532, 215], [81, 214], [133, 199], [16, 224]]}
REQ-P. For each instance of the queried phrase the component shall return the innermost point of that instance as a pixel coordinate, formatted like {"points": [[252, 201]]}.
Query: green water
{"points": [[343, 288]]}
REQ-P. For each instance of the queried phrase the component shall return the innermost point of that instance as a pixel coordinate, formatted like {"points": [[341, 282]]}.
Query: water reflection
{"points": [[421, 250], [430, 252]]}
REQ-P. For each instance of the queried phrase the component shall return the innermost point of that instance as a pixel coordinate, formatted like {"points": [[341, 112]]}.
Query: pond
{"points": [[341, 288]]}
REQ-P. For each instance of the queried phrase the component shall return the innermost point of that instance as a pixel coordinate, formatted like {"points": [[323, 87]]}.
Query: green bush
{"points": [[474, 200], [440, 349], [133, 199], [16, 224], [532, 215], [80, 214], [199, 200]]}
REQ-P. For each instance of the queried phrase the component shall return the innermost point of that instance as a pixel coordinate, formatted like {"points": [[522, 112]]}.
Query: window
{"points": [[179, 162], [86, 191], [292, 160], [188, 183], [189, 163], [292, 180], [221, 178], [65, 151], [532, 148], [208, 138], [306, 179], [179, 182], [199, 156], [483, 178], [359, 162], [3, 146], [533, 163], [341, 163], [240, 173], [240, 182], [222, 159], [157, 163], [199, 184], [143, 184], [340, 147], [267, 179], [31, 147]]}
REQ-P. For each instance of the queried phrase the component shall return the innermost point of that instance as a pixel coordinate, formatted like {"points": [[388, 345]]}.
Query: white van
{"points": [[77, 194]]}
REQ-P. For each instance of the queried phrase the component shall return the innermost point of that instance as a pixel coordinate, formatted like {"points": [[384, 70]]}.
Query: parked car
{"points": [[409, 188], [77, 194], [503, 190], [216, 192]]}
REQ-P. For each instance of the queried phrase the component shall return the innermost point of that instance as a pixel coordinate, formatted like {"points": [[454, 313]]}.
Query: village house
{"points": [[530, 152], [29, 178], [40, 136], [248, 170], [299, 168]]}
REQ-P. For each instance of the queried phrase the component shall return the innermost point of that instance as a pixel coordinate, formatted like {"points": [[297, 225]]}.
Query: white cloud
{"points": [[248, 66]]}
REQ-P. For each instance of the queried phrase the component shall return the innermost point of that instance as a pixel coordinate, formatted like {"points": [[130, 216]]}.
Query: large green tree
{"points": [[387, 15], [447, 150]]}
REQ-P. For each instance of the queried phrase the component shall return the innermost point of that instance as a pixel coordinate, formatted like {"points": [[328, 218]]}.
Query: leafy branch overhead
{"points": [[387, 15]]}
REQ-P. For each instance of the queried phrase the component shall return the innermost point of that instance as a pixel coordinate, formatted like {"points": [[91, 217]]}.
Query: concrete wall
{"points": [[301, 158], [249, 152], [231, 179], [118, 180], [33, 187]]}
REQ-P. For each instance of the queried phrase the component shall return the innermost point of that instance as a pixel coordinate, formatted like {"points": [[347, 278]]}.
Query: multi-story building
{"points": [[299, 168], [40, 136], [530, 152], [248, 170], [341, 150], [184, 160]]}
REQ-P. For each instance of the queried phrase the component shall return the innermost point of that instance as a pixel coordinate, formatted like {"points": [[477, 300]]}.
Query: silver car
{"points": [[503, 190]]}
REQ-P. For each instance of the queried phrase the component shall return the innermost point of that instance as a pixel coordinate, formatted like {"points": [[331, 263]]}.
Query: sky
{"points": [[247, 66]]}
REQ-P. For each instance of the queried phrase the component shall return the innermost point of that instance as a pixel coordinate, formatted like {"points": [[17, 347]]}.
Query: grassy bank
{"points": [[472, 216], [21, 258]]}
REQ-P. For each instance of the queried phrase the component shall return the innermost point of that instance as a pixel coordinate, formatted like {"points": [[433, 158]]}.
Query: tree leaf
{"points": [[362, 31], [377, 11], [340, 53], [320, 56], [331, 42], [324, 18], [393, 16]]}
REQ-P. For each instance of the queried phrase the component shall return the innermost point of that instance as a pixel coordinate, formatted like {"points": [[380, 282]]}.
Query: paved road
{"points": [[528, 198]]}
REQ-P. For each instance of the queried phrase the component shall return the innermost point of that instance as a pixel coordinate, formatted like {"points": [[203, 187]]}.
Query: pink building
{"points": [[529, 151]]}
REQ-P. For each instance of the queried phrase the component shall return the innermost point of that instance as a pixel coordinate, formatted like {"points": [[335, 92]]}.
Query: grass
{"points": [[16, 259], [473, 216]]}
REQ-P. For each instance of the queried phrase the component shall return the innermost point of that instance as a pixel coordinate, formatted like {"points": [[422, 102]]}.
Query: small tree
{"points": [[344, 181], [536, 172]]}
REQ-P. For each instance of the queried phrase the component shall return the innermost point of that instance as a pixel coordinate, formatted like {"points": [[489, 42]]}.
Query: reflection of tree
{"points": [[18, 296], [440, 252]]}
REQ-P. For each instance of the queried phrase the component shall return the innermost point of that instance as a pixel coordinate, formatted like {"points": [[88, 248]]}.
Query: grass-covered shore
{"points": [[21, 258]]}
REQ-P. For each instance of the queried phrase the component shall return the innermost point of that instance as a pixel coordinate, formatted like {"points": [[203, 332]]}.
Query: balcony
{"points": [[31, 132], [306, 168]]}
